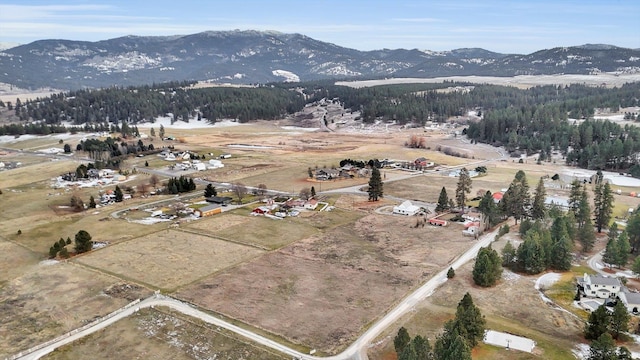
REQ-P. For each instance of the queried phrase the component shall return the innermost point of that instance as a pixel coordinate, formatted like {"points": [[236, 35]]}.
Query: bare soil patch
{"points": [[168, 259], [161, 334], [50, 300], [338, 281]]}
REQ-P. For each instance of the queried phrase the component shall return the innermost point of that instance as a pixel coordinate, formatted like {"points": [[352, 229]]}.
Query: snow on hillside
{"points": [[288, 75]]}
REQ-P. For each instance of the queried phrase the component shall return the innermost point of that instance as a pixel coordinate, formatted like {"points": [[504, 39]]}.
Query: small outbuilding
{"points": [[406, 208], [208, 210]]}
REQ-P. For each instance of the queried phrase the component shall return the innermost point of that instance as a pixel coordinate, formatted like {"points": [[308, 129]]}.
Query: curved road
{"points": [[357, 350]]}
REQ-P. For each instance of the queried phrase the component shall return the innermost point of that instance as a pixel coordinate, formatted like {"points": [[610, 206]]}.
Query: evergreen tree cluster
{"points": [[602, 321], [542, 248], [460, 335], [180, 185], [487, 269], [361, 164], [144, 103], [618, 247], [375, 189], [83, 244]]}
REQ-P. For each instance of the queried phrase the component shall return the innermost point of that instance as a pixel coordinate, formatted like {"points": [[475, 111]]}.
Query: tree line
{"points": [[132, 105], [459, 336]]}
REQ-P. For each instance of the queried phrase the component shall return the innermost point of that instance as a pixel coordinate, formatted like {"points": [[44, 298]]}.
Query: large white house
{"points": [[600, 286], [406, 208]]}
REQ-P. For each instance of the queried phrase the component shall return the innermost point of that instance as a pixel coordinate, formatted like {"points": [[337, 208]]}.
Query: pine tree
{"points": [[375, 185], [463, 188], [508, 255], [313, 192], [92, 202], [153, 132], [624, 248], [470, 321], [619, 319], [532, 258], [584, 210], [561, 254], [587, 235], [118, 193], [487, 268], [451, 273], [443, 201], [575, 196], [636, 266], [633, 231], [538, 209], [611, 252], [603, 348], [401, 340], [161, 133], [517, 200], [489, 210], [597, 324], [450, 345], [602, 205], [210, 191], [83, 242]]}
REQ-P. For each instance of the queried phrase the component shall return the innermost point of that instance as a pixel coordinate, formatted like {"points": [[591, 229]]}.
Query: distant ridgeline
{"points": [[536, 120]]}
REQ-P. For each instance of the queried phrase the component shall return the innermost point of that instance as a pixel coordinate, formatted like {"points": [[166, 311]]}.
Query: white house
{"points": [[631, 300], [199, 166], [215, 164], [599, 286], [406, 208]]}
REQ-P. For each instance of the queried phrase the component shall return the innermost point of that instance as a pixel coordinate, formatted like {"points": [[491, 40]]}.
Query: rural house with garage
{"points": [[599, 286], [406, 208]]}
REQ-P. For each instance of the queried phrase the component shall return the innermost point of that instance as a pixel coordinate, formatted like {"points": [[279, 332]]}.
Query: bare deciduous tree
{"points": [[240, 190], [305, 193], [262, 189]]}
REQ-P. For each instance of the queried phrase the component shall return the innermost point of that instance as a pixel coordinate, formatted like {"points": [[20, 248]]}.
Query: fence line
{"points": [[73, 332]]}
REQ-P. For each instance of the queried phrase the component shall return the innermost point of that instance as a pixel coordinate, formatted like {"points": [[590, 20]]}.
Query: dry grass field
{"points": [[339, 281], [49, 300], [327, 277], [168, 259], [512, 306], [161, 334]]}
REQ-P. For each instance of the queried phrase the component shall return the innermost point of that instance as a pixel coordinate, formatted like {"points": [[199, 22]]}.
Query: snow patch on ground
{"points": [[287, 75], [510, 276], [547, 280], [165, 121], [297, 128], [48, 262], [149, 221], [581, 351]]}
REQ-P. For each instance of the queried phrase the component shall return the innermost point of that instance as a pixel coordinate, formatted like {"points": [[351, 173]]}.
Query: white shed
{"points": [[406, 208]]}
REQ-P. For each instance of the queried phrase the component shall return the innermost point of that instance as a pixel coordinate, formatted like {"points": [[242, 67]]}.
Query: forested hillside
{"points": [[538, 120], [145, 103]]}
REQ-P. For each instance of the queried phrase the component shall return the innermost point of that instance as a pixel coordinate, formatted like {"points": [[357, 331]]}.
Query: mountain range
{"points": [[263, 56]]}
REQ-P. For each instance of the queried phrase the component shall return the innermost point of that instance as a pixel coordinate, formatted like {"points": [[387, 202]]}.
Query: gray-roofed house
{"points": [[631, 300], [599, 286]]}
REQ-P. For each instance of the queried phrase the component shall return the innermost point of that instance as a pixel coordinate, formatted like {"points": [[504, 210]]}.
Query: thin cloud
{"points": [[37, 12], [419, 20]]}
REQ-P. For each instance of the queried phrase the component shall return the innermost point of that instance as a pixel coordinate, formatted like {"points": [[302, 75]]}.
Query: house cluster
{"points": [[347, 171], [215, 204], [95, 177], [597, 290], [290, 207]]}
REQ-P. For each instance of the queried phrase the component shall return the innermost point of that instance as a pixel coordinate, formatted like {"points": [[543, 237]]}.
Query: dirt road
{"points": [[357, 350]]}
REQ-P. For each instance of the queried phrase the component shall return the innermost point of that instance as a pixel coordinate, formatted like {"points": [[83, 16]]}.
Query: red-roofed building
{"points": [[497, 197]]}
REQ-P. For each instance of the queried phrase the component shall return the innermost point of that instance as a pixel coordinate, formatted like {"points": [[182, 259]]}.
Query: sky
{"points": [[506, 26]]}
